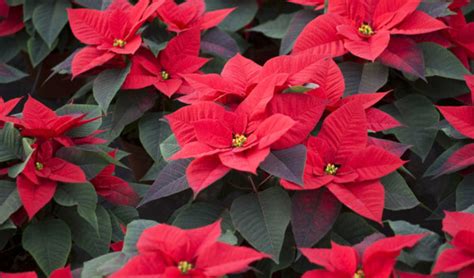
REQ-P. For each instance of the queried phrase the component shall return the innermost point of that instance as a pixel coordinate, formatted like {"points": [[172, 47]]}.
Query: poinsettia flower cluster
{"points": [[44, 170], [375, 257], [462, 119], [108, 34], [371, 30], [340, 159], [11, 19], [190, 14], [459, 257], [167, 251]]}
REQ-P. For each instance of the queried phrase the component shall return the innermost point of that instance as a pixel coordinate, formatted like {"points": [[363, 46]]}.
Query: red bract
{"points": [[58, 273], [190, 14], [365, 28], [376, 261], [181, 56], [462, 119], [221, 140], [459, 258], [240, 75], [460, 36], [339, 159], [43, 124], [112, 188], [317, 4], [11, 19], [6, 108], [38, 181], [108, 33], [167, 251]]}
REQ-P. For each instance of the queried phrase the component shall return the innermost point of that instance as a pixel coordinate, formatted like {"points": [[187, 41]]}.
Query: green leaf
{"points": [[440, 61], [276, 28], [10, 46], [134, 231], [420, 119], [169, 147], [49, 18], [16, 169], [297, 23], [363, 78], [93, 268], [9, 200], [244, 14], [398, 195], [107, 84], [156, 36], [198, 215], [38, 49], [10, 74], [49, 242], [153, 132], [81, 195], [465, 193], [10, 143], [262, 219], [438, 164], [84, 235], [287, 164], [351, 229]]}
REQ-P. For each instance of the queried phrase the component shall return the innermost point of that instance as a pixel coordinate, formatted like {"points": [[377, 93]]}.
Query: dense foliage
{"points": [[236, 138]]}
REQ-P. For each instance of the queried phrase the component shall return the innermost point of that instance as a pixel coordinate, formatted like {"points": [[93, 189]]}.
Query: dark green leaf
{"points": [[398, 195], [107, 84], [10, 143], [10, 74], [49, 242], [38, 49], [198, 215], [262, 219], [9, 200], [276, 28], [287, 164], [134, 231], [440, 61], [245, 12], [49, 18], [465, 193]]}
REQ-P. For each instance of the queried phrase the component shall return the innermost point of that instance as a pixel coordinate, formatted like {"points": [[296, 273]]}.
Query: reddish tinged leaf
{"points": [[11, 19], [404, 54], [204, 171], [366, 199], [377, 120], [460, 159], [313, 214], [393, 147], [460, 117], [286, 164], [115, 190]]}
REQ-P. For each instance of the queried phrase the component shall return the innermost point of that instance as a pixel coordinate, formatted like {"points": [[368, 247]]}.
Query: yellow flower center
{"points": [[184, 267], [39, 166], [239, 140], [331, 169], [119, 43], [165, 75], [366, 30], [359, 274]]}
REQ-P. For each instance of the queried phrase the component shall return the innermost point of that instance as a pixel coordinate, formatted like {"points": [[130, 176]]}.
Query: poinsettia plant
{"points": [[223, 138]]}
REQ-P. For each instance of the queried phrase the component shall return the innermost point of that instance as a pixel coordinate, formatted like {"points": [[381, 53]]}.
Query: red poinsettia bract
{"points": [[11, 19], [181, 56], [340, 159], [376, 261], [112, 188], [459, 258], [221, 140], [369, 30], [167, 251], [58, 273], [462, 119], [42, 123], [190, 14], [6, 108], [38, 181], [108, 33]]}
